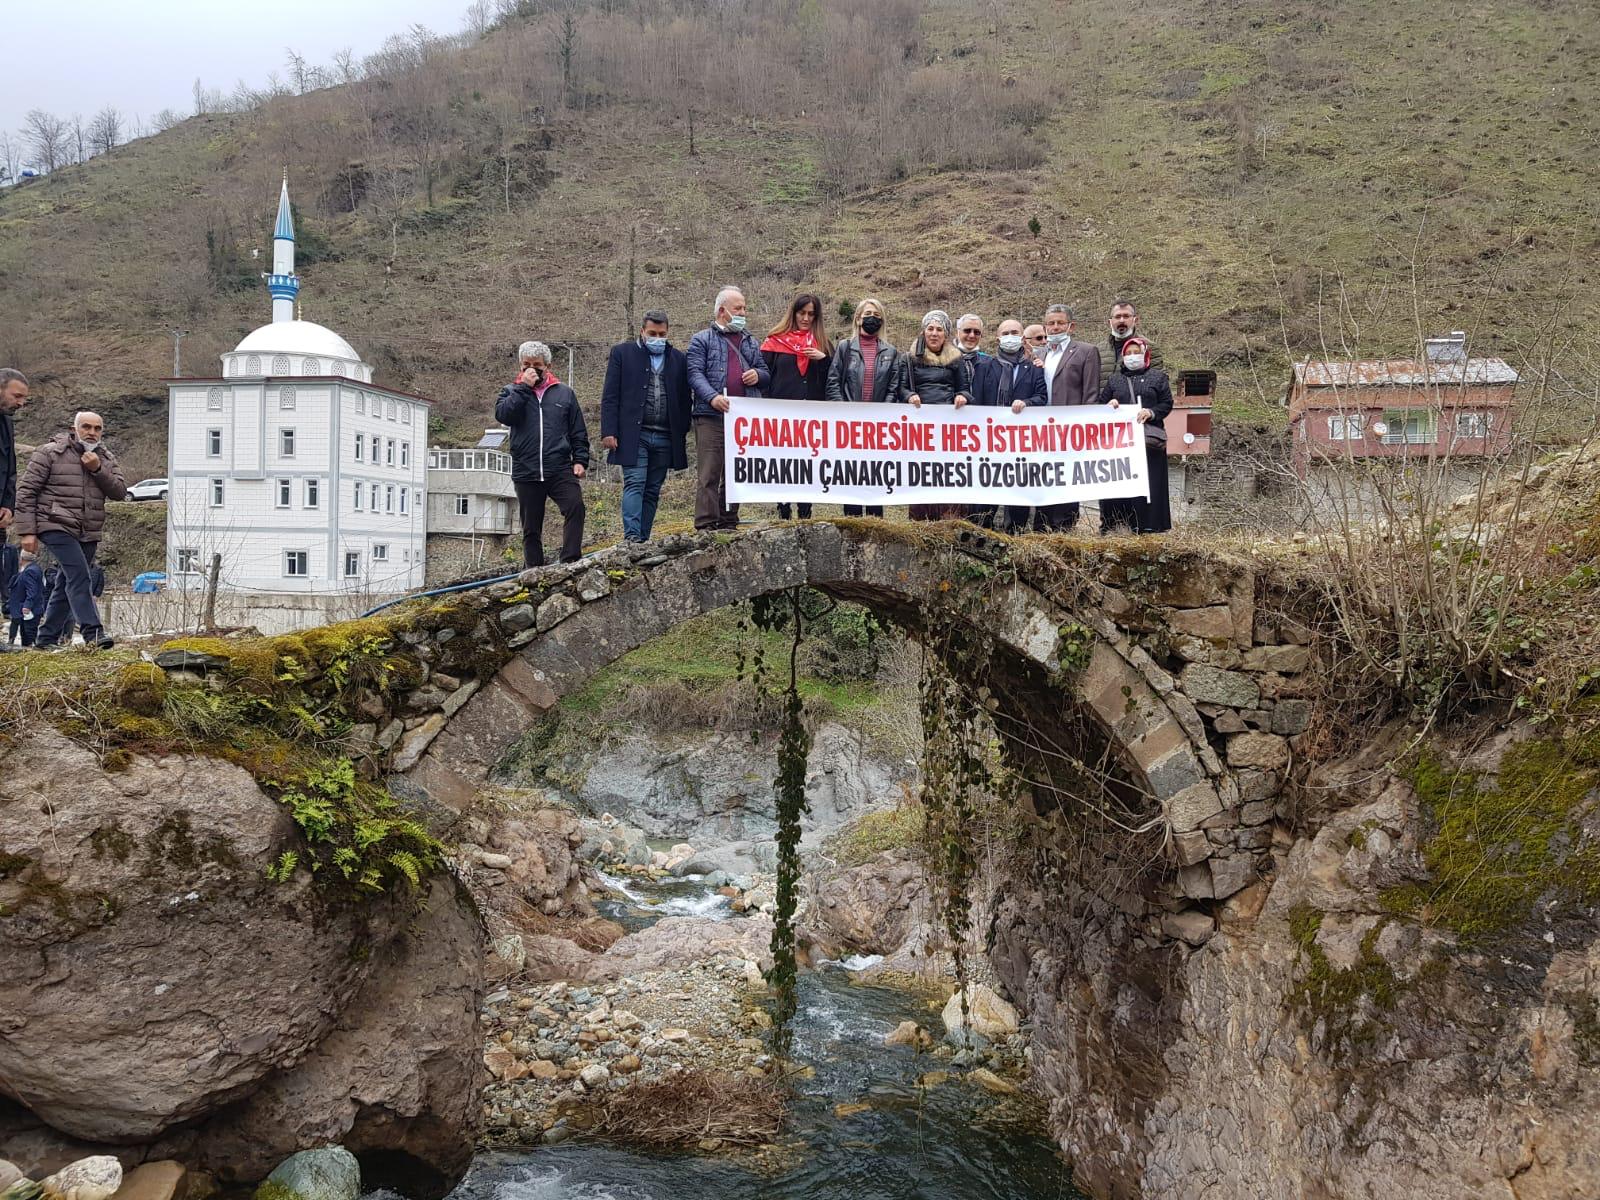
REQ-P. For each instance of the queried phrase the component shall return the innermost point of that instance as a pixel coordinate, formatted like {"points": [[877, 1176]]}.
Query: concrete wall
{"points": [[178, 612]]}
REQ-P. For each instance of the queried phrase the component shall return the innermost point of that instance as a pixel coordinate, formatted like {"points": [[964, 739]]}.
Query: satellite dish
{"points": [[1380, 427], [1188, 439]]}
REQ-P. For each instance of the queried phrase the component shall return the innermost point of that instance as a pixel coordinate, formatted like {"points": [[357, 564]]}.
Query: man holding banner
{"points": [[724, 363], [1011, 380], [1072, 378]]}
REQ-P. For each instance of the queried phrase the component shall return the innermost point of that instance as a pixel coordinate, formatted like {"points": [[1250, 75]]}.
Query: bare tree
{"points": [[105, 131], [80, 138], [166, 119], [299, 71], [10, 152], [566, 46], [199, 97], [47, 133]]}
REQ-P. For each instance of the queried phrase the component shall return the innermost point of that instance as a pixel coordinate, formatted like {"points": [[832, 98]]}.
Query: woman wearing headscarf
{"points": [[797, 353], [935, 373], [865, 370], [1147, 389]]}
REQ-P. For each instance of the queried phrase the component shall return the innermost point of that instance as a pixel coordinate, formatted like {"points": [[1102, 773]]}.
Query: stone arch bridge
{"points": [[1158, 664]]}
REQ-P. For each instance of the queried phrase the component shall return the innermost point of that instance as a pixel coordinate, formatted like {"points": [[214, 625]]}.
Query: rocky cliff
{"points": [[1376, 1016]]}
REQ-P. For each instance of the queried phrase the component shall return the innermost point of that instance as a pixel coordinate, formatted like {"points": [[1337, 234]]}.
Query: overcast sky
{"points": [[70, 56]]}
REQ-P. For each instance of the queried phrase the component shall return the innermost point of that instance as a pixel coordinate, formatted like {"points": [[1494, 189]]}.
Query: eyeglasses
{"points": [[973, 332]]}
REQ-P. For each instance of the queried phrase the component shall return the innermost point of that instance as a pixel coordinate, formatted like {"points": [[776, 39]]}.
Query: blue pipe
{"points": [[454, 587]]}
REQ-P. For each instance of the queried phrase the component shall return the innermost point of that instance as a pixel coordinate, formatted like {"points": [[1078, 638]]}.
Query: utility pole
{"points": [[177, 353], [208, 620]]}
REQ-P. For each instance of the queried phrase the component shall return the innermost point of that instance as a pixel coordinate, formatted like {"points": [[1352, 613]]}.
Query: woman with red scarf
{"points": [[797, 353]]}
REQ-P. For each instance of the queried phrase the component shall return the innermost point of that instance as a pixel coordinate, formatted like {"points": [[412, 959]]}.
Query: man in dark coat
{"points": [[1072, 377], [644, 419], [549, 452], [13, 395], [1010, 379]]}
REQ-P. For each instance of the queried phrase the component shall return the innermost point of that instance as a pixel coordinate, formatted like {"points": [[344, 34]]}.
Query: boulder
{"points": [[870, 909], [143, 926], [397, 1079], [987, 1014], [9, 1174], [94, 1178], [908, 1033], [330, 1173], [677, 941]]}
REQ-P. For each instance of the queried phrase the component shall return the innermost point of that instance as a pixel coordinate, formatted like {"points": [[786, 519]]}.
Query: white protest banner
{"points": [[802, 450]]}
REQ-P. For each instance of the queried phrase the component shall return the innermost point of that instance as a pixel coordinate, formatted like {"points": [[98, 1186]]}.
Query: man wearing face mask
{"points": [[724, 362], [1123, 324], [1011, 379], [644, 419], [549, 452], [61, 502], [1071, 377]]}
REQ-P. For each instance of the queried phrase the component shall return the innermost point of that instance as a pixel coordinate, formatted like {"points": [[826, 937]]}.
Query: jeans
{"points": [[1055, 518], [855, 510], [25, 627], [641, 484], [786, 511], [75, 600], [562, 486]]}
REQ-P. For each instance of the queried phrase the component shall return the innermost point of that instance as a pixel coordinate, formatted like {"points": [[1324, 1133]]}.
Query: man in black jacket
{"points": [[549, 452], [13, 395], [644, 419]]}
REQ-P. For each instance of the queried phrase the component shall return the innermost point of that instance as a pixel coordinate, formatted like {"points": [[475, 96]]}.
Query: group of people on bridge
{"points": [[656, 395]]}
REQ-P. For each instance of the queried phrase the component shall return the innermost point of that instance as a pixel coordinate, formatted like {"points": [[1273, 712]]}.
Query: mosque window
{"points": [[311, 366], [252, 365], [338, 369], [405, 413], [286, 397], [280, 365], [214, 398]]}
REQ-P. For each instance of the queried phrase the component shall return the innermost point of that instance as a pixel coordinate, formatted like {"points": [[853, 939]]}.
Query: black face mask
{"points": [[871, 325]]}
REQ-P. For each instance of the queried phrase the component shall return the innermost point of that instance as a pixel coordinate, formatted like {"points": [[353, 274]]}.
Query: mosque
{"points": [[292, 465]]}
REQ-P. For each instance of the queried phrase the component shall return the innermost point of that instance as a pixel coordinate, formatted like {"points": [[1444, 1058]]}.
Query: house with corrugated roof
{"points": [[1445, 403]]}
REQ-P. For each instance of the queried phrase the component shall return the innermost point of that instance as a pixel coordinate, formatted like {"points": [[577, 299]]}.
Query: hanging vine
{"points": [[768, 613]]}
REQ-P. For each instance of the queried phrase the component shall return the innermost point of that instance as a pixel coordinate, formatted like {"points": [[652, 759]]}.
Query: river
{"points": [[949, 1141]]}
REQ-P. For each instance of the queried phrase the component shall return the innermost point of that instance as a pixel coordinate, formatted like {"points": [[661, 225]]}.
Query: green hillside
{"points": [[1261, 177]]}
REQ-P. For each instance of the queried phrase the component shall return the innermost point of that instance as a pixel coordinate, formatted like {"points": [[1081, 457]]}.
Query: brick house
{"points": [[1446, 404]]}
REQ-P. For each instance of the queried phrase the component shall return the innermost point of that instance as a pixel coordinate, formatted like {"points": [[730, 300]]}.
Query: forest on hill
{"points": [[1266, 179]]}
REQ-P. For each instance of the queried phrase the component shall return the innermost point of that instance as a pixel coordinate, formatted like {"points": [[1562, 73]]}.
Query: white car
{"points": [[148, 489]]}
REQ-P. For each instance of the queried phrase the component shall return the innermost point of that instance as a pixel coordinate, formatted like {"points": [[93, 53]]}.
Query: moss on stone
{"points": [[112, 841], [271, 1189], [1349, 1001], [870, 835], [1498, 850], [141, 687]]}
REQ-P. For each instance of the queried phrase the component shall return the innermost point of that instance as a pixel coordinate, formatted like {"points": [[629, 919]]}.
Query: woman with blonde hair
{"points": [[865, 370], [797, 353], [933, 372]]}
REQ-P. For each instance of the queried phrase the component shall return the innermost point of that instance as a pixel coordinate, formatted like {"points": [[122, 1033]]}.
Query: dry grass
{"points": [[681, 1111]]}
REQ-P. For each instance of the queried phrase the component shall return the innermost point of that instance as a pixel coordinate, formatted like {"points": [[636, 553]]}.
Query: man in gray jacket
{"points": [[61, 502], [724, 361]]}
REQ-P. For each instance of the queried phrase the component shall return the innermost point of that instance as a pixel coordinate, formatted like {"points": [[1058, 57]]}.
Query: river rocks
{"points": [[987, 1014], [594, 1076], [909, 1033], [331, 1173], [165, 1180], [95, 1178], [990, 1082]]}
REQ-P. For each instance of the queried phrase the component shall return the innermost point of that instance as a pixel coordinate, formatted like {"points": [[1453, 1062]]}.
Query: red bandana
{"points": [[795, 342]]}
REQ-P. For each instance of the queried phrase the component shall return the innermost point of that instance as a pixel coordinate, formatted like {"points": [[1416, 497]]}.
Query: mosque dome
{"points": [[295, 348]]}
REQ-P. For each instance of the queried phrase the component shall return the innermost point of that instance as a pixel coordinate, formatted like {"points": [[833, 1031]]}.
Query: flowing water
{"points": [[952, 1141]]}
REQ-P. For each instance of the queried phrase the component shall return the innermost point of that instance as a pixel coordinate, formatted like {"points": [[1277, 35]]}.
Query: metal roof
{"points": [[1403, 372]]}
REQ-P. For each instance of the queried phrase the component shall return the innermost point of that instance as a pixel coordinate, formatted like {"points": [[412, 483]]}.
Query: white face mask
{"points": [[1134, 362], [1058, 340], [1011, 343]]}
